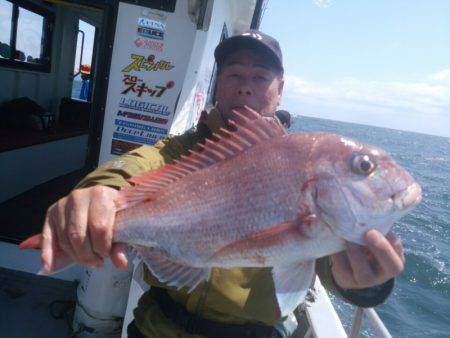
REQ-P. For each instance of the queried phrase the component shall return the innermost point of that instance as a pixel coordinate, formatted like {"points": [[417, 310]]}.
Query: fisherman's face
{"points": [[248, 79]]}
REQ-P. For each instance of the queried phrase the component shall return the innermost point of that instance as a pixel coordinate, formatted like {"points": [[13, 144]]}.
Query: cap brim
{"points": [[236, 43]]}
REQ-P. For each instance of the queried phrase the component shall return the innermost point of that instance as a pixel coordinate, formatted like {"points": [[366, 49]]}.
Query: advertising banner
{"points": [[150, 57]]}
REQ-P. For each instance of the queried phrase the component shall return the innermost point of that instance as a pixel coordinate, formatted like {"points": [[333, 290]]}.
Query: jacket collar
{"points": [[213, 120]]}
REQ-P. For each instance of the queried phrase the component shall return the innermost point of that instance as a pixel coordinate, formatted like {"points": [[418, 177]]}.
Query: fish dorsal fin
{"points": [[250, 129]]}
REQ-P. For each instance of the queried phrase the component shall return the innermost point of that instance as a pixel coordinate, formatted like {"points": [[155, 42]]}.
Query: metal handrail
{"points": [[81, 52], [375, 320], [357, 323]]}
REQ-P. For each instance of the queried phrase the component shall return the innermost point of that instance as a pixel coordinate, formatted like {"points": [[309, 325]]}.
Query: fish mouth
{"points": [[408, 198]]}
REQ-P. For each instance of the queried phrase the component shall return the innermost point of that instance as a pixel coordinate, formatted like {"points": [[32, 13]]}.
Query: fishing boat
{"points": [[84, 81]]}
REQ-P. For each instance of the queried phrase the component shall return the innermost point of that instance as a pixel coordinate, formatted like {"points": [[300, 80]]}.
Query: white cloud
{"points": [[354, 94], [323, 3], [416, 106], [442, 76]]}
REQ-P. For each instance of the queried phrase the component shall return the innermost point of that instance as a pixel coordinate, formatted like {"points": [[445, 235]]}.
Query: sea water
{"points": [[419, 305]]}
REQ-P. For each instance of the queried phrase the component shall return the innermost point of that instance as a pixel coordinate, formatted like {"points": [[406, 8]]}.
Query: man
{"points": [[85, 71], [236, 302], [285, 118]]}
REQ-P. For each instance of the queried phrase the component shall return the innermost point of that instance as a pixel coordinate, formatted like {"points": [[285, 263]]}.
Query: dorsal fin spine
{"points": [[153, 184], [175, 174], [169, 176], [178, 172], [183, 170], [217, 136], [193, 160], [236, 138], [211, 154], [241, 116], [265, 128], [237, 148], [241, 132], [166, 179], [206, 160], [262, 133], [225, 149], [206, 155], [213, 147], [243, 141], [188, 164], [250, 135]]}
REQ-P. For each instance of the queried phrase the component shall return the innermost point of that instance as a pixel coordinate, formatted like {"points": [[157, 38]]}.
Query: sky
{"points": [[383, 63]]}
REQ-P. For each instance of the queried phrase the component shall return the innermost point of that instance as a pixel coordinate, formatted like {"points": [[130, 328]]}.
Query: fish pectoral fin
{"points": [[258, 241], [291, 284], [170, 272]]}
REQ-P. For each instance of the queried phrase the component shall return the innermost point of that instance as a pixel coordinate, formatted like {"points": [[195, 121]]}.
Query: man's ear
{"points": [[280, 89]]}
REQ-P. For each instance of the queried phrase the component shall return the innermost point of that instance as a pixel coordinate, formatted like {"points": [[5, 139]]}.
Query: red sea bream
{"points": [[258, 197]]}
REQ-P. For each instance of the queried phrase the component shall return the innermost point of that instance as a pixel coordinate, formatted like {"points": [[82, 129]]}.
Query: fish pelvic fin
{"points": [[291, 284], [170, 272], [250, 129]]}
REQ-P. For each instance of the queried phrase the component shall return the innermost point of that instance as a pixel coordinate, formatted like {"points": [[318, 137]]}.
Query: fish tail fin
{"points": [[33, 242], [60, 260]]}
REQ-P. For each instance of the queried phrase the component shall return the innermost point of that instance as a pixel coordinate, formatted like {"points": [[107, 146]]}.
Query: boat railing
{"points": [[375, 320], [325, 322]]}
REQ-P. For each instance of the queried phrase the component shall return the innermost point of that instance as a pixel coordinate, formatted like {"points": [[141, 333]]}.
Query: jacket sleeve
{"points": [[368, 297], [115, 173]]}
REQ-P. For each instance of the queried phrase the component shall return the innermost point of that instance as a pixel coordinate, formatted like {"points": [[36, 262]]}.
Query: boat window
{"points": [[162, 5], [6, 9], [25, 35], [82, 77]]}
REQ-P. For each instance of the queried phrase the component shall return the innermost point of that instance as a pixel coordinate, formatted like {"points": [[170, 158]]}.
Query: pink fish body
{"points": [[262, 198], [266, 199]]}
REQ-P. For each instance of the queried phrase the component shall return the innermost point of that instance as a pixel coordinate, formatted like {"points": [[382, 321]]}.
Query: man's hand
{"points": [[360, 267], [81, 224]]}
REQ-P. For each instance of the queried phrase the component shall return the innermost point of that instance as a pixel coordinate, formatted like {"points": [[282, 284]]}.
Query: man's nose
{"points": [[245, 88]]}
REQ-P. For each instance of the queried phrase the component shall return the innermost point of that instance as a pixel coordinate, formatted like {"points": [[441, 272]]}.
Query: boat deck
{"points": [[23, 215], [35, 306]]}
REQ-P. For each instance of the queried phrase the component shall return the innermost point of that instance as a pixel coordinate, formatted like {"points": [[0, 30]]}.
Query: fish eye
{"points": [[363, 165]]}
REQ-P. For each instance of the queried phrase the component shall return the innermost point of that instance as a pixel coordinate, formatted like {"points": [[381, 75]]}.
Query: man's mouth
{"points": [[243, 107]]}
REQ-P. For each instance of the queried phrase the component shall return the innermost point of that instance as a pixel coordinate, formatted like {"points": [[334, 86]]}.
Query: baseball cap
{"points": [[252, 39]]}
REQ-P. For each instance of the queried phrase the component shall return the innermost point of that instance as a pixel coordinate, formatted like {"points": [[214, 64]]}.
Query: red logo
{"points": [[149, 44], [138, 42]]}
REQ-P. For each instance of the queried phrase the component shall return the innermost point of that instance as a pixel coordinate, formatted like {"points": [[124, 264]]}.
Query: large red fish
{"points": [[258, 197]]}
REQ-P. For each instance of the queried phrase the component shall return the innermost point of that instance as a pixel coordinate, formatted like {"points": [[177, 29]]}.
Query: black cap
{"points": [[252, 39]]}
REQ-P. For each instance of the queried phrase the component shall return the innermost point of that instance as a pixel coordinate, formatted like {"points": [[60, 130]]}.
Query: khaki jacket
{"points": [[233, 296]]}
